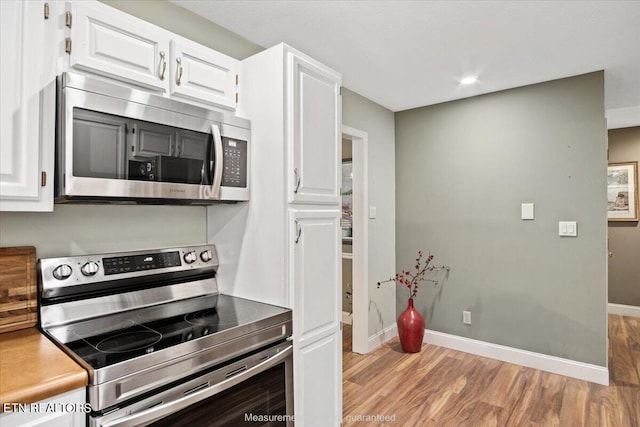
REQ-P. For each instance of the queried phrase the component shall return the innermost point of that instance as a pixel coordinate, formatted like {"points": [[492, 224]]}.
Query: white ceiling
{"points": [[406, 54]]}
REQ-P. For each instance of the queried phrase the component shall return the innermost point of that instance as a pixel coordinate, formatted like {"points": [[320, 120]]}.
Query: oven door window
{"points": [[257, 401], [99, 147], [113, 147]]}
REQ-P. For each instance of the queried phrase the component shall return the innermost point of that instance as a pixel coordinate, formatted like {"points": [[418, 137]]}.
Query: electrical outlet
{"points": [[466, 317]]}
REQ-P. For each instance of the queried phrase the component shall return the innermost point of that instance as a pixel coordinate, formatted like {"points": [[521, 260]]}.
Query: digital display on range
{"points": [[132, 263]]}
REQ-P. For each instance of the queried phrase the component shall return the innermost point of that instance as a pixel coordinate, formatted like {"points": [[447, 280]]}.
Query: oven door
{"points": [[256, 390]]}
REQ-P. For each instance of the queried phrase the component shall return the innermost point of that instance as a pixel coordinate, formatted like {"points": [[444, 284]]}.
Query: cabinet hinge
{"points": [[236, 98], [46, 11], [67, 19], [340, 90], [237, 80], [43, 179], [67, 45]]}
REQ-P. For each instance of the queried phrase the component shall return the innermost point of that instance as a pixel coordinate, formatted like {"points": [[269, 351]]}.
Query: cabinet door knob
{"points": [[163, 65], [178, 71]]}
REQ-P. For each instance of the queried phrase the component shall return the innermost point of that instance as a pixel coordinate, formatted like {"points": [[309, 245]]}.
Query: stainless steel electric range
{"points": [[162, 346]]}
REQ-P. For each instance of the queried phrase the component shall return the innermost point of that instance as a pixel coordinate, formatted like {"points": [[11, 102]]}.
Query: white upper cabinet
{"points": [[203, 74], [107, 41], [315, 116], [27, 108]]}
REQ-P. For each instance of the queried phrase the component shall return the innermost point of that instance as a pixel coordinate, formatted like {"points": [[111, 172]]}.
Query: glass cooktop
{"points": [[115, 338]]}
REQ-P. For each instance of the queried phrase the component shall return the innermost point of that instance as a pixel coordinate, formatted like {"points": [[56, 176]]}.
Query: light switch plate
{"points": [[527, 211], [568, 228], [372, 212]]}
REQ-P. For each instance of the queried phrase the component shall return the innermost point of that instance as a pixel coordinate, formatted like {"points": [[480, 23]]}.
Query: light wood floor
{"points": [[442, 387]]}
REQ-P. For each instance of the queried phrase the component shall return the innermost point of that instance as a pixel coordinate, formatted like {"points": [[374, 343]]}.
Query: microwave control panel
{"points": [[234, 173]]}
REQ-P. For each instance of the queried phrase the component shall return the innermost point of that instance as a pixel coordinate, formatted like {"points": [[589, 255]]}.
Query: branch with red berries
{"points": [[411, 280]]}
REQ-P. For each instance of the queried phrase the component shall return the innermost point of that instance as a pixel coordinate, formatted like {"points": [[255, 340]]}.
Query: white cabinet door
{"points": [[315, 274], [202, 74], [107, 41], [73, 401], [314, 132], [317, 372], [27, 107]]}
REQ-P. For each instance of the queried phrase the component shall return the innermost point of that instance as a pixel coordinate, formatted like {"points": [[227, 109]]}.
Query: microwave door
{"points": [[214, 166]]}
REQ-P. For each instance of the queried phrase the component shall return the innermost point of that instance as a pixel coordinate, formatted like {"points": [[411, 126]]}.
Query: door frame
{"points": [[360, 243]]}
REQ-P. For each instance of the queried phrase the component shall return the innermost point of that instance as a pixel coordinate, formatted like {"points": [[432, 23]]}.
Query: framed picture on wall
{"points": [[622, 191]]}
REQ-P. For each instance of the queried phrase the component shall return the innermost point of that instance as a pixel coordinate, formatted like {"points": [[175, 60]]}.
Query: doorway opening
{"points": [[358, 237]]}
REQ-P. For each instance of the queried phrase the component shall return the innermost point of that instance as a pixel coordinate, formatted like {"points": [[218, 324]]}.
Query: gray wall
{"points": [[624, 237], [71, 230], [463, 170], [367, 116], [82, 229]]}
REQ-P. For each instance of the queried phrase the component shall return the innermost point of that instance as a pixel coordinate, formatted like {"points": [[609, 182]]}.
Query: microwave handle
{"points": [[217, 161]]}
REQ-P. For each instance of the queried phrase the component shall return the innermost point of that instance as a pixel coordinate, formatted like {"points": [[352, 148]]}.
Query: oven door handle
{"points": [[157, 412]]}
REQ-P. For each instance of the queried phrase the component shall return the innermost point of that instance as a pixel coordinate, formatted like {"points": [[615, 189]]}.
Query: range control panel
{"points": [[126, 264], [56, 272]]}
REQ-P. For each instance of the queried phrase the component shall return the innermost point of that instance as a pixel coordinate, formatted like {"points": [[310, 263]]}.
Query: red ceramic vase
{"points": [[411, 329]]}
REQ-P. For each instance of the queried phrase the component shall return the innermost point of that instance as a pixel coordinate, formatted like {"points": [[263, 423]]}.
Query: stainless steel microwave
{"points": [[117, 144]]}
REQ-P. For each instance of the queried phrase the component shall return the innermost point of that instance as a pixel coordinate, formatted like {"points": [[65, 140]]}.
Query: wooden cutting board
{"points": [[18, 294]]}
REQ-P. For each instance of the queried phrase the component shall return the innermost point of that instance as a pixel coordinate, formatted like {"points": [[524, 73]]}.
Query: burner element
{"points": [[129, 341]]}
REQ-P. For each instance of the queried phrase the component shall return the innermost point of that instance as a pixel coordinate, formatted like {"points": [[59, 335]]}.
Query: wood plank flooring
{"points": [[443, 387]]}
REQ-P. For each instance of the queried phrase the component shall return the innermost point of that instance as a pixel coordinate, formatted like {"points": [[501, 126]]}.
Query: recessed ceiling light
{"points": [[469, 80]]}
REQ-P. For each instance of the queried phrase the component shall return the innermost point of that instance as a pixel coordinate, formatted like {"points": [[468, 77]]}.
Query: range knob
{"points": [[190, 257], [62, 272], [206, 256], [90, 268]]}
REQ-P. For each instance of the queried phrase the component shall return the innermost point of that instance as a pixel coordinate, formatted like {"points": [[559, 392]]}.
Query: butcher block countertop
{"points": [[32, 368]]}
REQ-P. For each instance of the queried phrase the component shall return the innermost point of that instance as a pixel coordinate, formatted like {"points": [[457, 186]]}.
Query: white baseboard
{"points": [[623, 310], [347, 318], [382, 337], [570, 368]]}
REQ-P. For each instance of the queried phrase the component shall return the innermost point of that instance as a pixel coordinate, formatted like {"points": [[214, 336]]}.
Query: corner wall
{"points": [[463, 170], [624, 237]]}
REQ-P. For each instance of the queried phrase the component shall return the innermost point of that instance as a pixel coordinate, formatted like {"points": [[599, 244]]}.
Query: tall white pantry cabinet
{"points": [[284, 246]]}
